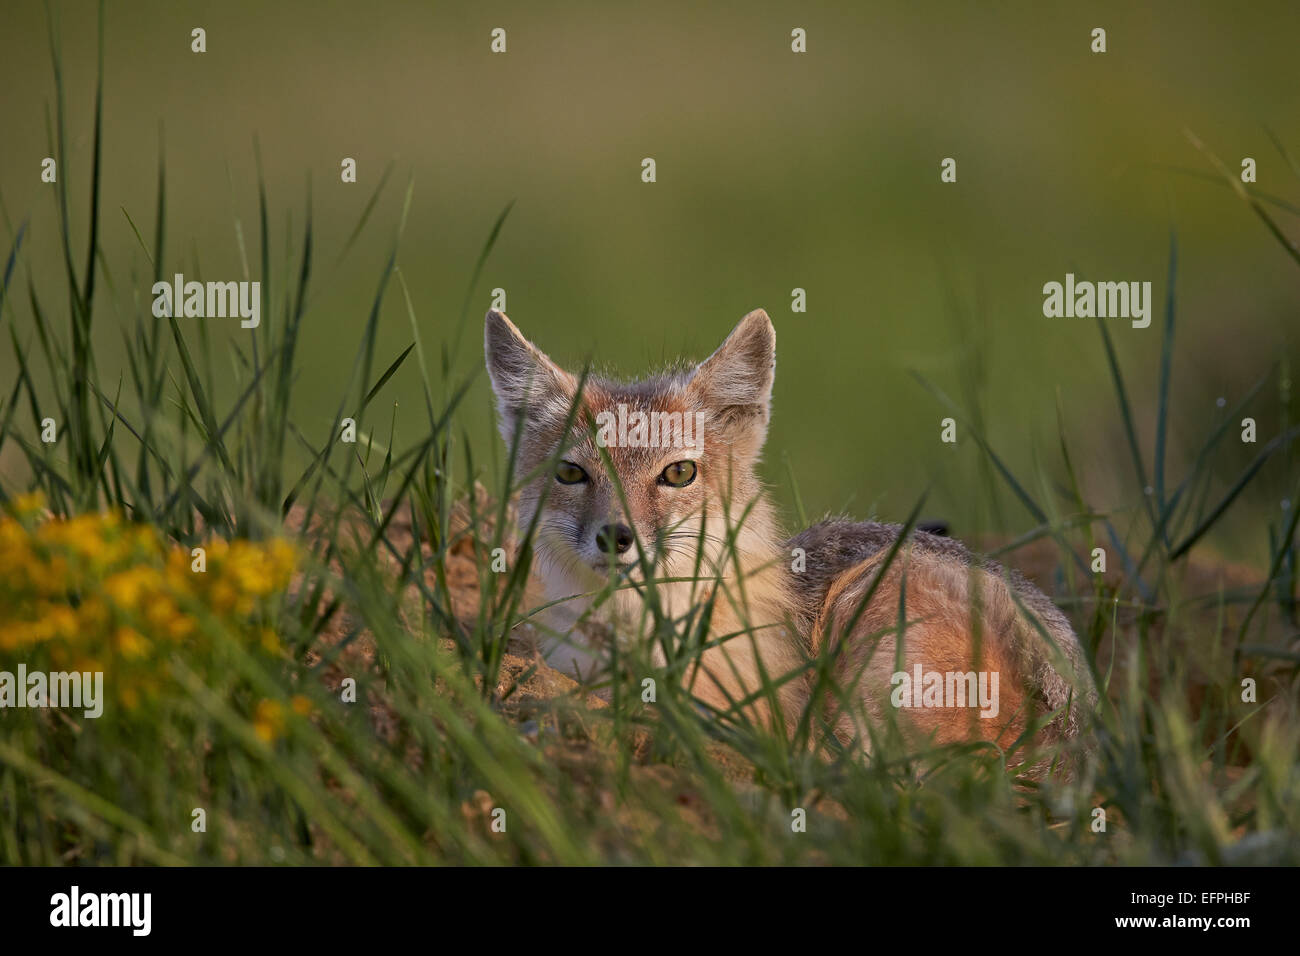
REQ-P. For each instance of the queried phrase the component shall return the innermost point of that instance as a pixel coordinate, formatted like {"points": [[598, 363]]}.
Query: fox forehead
{"points": [[663, 393], [663, 396]]}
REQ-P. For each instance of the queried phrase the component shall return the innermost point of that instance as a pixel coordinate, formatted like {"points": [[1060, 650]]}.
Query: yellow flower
{"points": [[284, 558], [51, 576], [96, 587], [63, 620], [180, 627], [128, 588], [223, 597], [11, 636], [268, 720], [270, 642], [29, 503], [131, 643], [94, 615], [82, 535], [146, 539], [13, 536]]}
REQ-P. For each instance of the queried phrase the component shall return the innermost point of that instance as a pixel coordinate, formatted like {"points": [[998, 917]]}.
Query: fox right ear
{"points": [[526, 382]]}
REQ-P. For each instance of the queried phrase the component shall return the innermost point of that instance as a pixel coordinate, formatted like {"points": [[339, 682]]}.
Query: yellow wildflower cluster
{"points": [[96, 592], [269, 717]]}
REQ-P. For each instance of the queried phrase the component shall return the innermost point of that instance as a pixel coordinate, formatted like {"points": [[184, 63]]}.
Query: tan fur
{"points": [[946, 631], [960, 613]]}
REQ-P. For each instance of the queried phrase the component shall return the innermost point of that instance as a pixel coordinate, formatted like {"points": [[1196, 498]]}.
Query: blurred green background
{"points": [[775, 171]]}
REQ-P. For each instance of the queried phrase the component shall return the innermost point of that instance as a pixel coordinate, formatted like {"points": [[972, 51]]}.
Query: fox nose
{"points": [[614, 537]]}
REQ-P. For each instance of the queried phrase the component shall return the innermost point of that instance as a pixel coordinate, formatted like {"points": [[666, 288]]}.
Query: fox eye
{"points": [[679, 474], [567, 473]]}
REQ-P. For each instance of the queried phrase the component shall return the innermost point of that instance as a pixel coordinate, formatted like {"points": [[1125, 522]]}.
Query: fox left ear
{"points": [[735, 382]]}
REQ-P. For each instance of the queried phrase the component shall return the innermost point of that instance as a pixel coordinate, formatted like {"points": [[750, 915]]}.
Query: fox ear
{"points": [[526, 382], [735, 382]]}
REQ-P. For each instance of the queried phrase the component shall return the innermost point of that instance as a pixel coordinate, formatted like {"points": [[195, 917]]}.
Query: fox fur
{"points": [[959, 612]]}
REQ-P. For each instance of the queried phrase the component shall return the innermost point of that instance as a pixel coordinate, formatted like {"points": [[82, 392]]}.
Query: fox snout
{"points": [[613, 542], [614, 538]]}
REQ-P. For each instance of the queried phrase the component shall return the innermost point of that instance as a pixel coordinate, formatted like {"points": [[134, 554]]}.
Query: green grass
{"points": [[1184, 769]]}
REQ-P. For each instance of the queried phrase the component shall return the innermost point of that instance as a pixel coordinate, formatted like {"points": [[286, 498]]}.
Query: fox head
{"points": [[656, 473]]}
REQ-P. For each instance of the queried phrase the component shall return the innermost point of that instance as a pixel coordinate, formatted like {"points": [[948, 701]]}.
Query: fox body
{"points": [[696, 514]]}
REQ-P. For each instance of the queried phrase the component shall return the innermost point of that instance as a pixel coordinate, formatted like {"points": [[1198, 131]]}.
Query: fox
{"points": [[889, 609]]}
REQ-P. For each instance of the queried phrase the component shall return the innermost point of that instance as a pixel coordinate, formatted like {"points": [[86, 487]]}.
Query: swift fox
{"points": [[687, 504]]}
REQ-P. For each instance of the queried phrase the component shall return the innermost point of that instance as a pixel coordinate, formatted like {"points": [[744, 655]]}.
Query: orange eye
{"points": [[567, 473], [679, 474]]}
